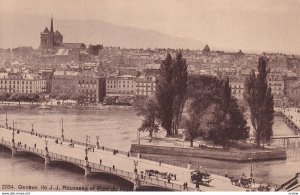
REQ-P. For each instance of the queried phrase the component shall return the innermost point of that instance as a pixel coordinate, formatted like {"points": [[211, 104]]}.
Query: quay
{"points": [[120, 164]]}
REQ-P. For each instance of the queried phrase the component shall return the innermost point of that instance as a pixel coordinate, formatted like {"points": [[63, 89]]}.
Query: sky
{"points": [[254, 25]]}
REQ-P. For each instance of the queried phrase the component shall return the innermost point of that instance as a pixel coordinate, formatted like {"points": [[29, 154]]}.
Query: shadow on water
{"points": [[66, 166], [118, 183], [151, 188], [4, 149]]}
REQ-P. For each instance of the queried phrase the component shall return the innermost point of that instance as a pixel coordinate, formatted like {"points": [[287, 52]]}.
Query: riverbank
{"points": [[50, 106], [180, 149]]}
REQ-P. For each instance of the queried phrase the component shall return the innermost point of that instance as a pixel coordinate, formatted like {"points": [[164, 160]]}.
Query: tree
{"points": [[229, 122], [148, 109], [202, 93], [164, 95], [171, 92], [3, 97], [179, 85], [213, 112], [260, 101], [94, 49], [16, 97]]}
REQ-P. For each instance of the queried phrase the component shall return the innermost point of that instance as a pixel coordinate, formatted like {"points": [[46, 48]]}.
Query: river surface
{"points": [[116, 128]]}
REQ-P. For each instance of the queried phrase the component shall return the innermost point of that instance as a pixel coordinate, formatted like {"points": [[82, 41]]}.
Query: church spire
{"points": [[51, 28]]}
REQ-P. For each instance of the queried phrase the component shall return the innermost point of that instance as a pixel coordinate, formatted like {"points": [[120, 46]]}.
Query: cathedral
{"points": [[50, 39]]}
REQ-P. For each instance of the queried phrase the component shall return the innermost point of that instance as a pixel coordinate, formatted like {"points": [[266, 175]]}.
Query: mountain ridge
{"points": [[24, 30]]}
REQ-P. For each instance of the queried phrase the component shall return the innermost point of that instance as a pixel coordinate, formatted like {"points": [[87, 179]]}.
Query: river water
{"points": [[116, 128]]}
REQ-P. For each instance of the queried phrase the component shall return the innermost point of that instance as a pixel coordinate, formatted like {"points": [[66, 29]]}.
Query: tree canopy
{"points": [[213, 112], [260, 101], [171, 92]]}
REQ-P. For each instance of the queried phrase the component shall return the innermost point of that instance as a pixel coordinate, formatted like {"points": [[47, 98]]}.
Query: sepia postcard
{"points": [[149, 95]]}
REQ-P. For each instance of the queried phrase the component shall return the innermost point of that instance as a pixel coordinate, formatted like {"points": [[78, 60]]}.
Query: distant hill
{"points": [[24, 30]]}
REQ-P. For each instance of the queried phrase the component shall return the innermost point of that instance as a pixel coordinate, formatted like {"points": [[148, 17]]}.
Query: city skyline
{"points": [[254, 26]]}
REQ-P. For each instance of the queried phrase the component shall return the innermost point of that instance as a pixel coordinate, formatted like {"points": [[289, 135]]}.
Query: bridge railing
{"points": [[111, 170], [162, 183]]}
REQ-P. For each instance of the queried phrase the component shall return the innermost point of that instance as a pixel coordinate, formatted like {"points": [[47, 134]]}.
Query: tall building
{"points": [[72, 83], [121, 85], [50, 39]]}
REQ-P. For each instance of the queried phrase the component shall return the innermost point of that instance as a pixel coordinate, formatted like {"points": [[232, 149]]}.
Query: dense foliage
{"points": [[260, 100], [171, 92], [212, 112], [19, 97], [147, 108]]}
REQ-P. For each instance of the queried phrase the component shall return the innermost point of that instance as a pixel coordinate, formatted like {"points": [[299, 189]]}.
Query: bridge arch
{"points": [[23, 152], [67, 165], [6, 146], [111, 174]]}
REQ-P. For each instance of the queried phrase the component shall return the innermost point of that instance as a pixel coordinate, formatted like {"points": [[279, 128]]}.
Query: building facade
{"points": [[121, 85], [22, 83], [72, 83], [145, 86], [237, 87]]}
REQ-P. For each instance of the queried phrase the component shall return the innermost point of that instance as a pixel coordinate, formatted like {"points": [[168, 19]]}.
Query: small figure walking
{"points": [[113, 167], [35, 145], [100, 161]]}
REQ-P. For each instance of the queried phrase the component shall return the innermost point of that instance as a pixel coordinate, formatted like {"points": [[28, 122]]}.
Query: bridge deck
{"points": [[293, 115], [121, 162]]}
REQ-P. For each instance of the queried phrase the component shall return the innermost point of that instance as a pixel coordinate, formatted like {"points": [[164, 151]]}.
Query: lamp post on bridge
{"points": [[13, 133], [6, 124], [97, 143], [47, 158], [251, 171], [139, 143], [87, 169], [62, 129], [136, 183], [46, 143], [32, 130], [86, 147], [135, 162]]}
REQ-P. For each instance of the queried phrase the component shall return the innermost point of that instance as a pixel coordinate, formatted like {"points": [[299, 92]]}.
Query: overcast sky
{"points": [[257, 25]]}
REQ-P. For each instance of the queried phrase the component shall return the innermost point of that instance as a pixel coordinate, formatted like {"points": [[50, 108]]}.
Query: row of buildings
{"points": [[129, 83], [85, 84]]}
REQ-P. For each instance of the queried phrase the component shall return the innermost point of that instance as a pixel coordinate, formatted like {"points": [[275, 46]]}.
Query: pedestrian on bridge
{"points": [[113, 167], [35, 145], [100, 161]]}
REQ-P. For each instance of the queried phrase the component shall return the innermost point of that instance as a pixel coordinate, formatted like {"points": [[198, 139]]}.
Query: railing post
{"points": [[136, 182]]}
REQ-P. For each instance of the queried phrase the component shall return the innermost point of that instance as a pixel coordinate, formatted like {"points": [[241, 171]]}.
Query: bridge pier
{"points": [[189, 165], [13, 151], [47, 160], [87, 170], [136, 185], [136, 181], [13, 148]]}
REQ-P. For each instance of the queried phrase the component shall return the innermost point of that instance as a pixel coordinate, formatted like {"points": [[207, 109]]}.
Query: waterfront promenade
{"points": [[116, 164]]}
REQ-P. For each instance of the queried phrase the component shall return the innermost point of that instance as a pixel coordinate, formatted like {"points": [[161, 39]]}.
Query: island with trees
{"points": [[196, 116]]}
